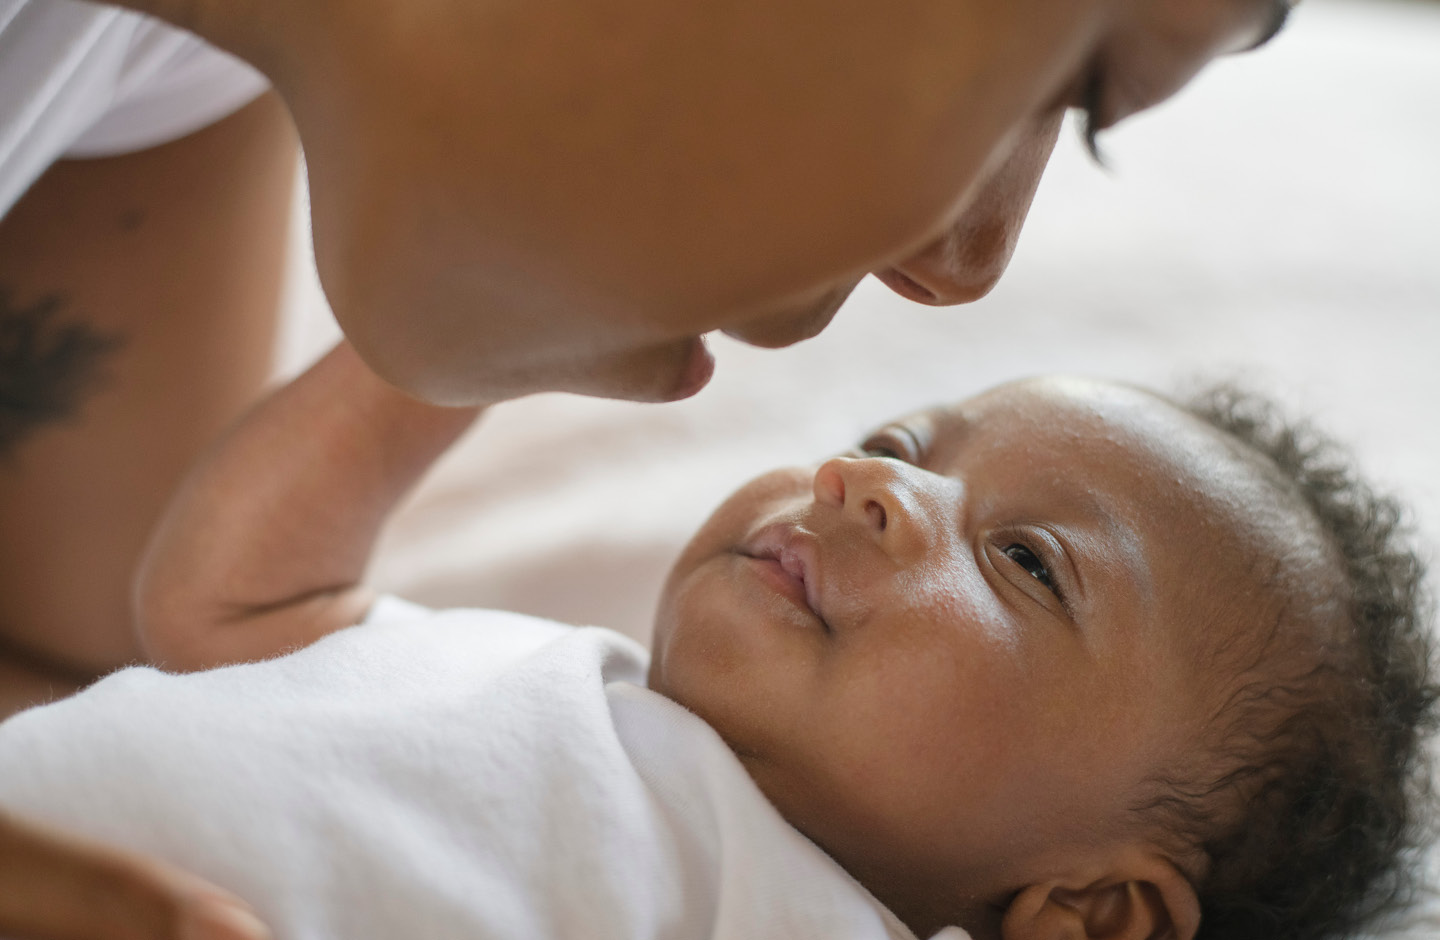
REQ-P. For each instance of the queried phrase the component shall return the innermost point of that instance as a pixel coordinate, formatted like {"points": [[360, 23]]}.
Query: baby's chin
{"points": [[654, 679], [802, 803]]}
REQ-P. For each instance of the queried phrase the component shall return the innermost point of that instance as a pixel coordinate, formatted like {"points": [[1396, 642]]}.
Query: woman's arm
{"points": [[265, 545], [139, 303]]}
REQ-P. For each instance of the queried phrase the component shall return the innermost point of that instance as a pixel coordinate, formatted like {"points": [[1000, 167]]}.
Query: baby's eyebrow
{"points": [[1109, 544], [1279, 16]]}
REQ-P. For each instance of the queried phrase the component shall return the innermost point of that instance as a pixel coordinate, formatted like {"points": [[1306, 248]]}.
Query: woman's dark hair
{"points": [[1335, 786]]}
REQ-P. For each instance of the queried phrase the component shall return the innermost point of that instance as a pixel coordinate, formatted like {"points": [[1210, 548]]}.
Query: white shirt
{"points": [[451, 774], [81, 80]]}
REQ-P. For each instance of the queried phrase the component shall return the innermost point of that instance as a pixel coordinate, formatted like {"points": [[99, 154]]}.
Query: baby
{"points": [[1064, 660]]}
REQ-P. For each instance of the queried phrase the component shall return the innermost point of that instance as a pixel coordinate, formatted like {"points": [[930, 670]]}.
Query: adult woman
{"points": [[512, 197], [607, 183]]}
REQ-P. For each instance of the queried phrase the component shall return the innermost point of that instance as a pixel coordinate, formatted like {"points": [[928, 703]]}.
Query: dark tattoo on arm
{"points": [[48, 366]]}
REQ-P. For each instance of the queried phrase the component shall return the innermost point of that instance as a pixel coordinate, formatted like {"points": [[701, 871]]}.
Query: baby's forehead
{"points": [[1137, 451], [1075, 412], [1216, 520]]}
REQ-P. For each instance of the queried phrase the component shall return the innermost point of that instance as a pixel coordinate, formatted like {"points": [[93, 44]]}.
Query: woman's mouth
{"points": [[697, 371], [906, 286]]}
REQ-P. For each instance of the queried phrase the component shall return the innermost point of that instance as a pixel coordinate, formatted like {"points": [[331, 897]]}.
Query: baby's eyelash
{"points": [[1041, 555], [1023, 556], [895, 442], [1039, 558]]}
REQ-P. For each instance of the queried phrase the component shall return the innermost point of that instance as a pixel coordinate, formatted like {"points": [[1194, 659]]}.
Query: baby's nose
{"points": [[879, 495]]}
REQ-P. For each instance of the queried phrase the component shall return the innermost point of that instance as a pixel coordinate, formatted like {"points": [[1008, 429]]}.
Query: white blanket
{"points": [[456, 774]]}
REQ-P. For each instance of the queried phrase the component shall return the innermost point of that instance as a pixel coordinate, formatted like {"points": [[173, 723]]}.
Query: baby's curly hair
{"points": [[1327, 757]]}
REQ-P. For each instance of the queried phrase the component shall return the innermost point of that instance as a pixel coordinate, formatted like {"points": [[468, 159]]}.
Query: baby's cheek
{"points": [[703, 660]]}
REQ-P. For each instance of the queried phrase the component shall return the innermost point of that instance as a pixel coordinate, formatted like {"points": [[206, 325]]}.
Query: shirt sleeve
{"points": [[171, 84]]}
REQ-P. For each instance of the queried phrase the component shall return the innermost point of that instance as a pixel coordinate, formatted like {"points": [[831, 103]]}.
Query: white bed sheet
{"points": [[1279, 221]]}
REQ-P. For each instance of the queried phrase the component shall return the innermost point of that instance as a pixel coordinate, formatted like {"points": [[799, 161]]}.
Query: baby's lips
{"points": [[799, 564], [795, 551]]}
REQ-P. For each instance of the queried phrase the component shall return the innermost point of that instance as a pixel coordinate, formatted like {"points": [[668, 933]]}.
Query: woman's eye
{"points": [[1092, 106], [1087, 95], [894, 443], [1028, 560]]}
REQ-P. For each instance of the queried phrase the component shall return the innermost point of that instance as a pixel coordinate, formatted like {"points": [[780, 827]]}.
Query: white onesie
{"points": [[82, 80], [438, 774]]}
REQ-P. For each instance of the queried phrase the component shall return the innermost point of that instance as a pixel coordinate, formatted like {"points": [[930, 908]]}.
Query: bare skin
{"points": [[58, 887], [265, 546], [172, 255], [559, 199]]}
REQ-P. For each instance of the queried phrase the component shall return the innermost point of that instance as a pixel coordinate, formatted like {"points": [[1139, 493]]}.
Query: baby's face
{"points": [[954, 657]]}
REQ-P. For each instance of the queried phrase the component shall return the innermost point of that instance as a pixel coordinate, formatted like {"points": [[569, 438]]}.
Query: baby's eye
{"points": [[1031, 562], [894, 442]]}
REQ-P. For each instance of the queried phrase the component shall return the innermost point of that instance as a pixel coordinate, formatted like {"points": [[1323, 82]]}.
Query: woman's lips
{"points": [[906, 286], [697, 371]]}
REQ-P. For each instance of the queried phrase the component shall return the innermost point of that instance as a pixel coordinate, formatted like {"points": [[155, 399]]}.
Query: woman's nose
{"points": [[964, 263], [878, 495]]}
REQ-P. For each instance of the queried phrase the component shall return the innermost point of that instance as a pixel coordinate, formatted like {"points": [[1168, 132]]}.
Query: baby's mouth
{"points": [[786, 558]]}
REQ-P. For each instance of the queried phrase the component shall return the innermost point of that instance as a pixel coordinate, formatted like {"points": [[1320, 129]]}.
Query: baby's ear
{"points": [[1154, 903]]}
